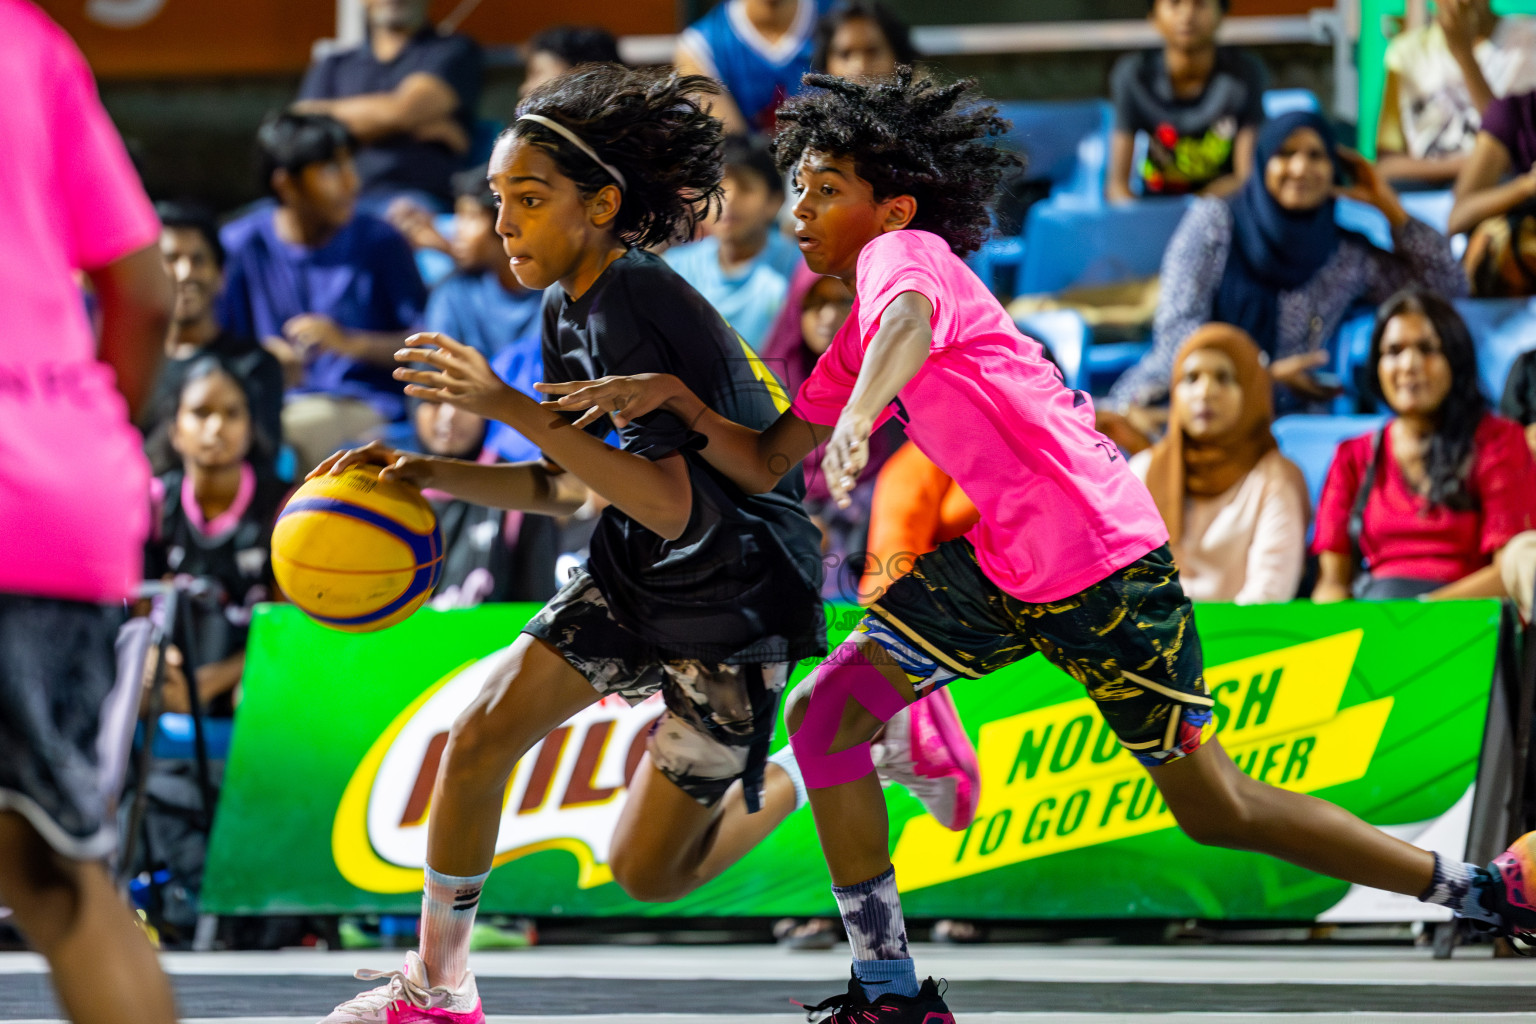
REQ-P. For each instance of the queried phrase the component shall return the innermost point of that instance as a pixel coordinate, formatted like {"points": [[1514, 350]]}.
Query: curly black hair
{"points": [[907, 137], [1448, 460], [646, 123]]}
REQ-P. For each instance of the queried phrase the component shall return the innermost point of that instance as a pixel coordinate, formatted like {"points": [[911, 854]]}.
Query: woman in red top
{"points": [[1431, 500]]}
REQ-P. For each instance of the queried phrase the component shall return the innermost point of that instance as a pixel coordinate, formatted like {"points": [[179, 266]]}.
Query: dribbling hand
{"points": [[459, 375], [398, 466]]}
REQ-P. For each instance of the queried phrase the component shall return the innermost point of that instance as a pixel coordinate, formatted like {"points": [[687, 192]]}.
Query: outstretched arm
{"points": [[657, 495], [893, 357], [753, 460]]}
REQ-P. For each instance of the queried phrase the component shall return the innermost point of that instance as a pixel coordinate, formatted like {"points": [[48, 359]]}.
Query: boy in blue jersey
{"points": [[757, 50]]}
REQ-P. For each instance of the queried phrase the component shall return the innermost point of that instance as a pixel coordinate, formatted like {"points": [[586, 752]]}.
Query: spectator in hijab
{"points": [[1236, 508], [1271, 260]]}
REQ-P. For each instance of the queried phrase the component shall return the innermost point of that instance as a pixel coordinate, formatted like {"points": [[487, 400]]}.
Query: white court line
{"points": [[980, 1018], [1308, 965]]}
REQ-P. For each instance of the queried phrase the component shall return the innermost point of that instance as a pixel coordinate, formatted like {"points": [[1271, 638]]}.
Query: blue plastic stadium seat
{"points": [[1433, 208], [1365, 219], [1108, 360], [1310, 441], [1065, 333], [1050, 135], [1284, 101], [1068, 243], [1351, 348], [174, 739], [1501, 329]]}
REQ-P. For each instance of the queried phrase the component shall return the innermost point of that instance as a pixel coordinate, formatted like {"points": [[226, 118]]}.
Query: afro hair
{"points": [[911, 137]]}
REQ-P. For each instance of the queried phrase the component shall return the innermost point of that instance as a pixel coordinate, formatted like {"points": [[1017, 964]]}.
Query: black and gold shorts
{"points": [[1129, 639]]}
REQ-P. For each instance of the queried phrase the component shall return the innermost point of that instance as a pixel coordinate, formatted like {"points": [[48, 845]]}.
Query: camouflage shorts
{"points": [[1129, 639], [719, 718]]}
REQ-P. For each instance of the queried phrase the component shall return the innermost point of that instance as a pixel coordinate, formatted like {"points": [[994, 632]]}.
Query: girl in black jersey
{"points": [[693, 588], [214, 521]]}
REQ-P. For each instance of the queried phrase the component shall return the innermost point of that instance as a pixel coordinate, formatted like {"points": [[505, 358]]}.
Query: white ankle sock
{"points": [[447, 914]]}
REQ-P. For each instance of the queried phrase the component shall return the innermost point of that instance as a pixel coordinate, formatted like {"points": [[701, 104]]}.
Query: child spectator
{"points": [[1236, 508], [757, 50], [1271, 260], [1519, 401], [214, 522], [1440, 79], [408, 95], [194, 259], [557, 50], [1199, 105], [863, 40], [743, 266], [1493, 199], [489, 554], [331, 292], [1429, 501], [813, 312]]}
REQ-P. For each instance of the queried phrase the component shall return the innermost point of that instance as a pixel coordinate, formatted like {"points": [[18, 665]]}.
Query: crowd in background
{"points": [[378, 223]]}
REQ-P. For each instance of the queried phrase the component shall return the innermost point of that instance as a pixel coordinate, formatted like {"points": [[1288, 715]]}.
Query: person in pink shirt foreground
{"points": [[1069, 558], [74, 508]]}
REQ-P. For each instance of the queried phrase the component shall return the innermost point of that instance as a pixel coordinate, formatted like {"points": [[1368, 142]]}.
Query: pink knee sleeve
{"points": [[845, 676]]}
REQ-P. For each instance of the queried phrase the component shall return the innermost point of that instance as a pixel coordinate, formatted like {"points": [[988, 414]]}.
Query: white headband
{"points": [[575, 140]]}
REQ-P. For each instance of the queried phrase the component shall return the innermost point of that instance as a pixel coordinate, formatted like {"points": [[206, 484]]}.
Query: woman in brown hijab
{"points": [[1236, 508]]}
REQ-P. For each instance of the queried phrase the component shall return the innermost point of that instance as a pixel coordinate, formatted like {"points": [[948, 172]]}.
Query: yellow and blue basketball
{"points": [[357, 553]]}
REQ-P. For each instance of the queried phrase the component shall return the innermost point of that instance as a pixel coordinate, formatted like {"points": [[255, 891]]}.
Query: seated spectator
{"points": [[489, 554], [330, 292], [1271, 260], [1493, 199], [813, 312], [742, 266], [1440, 77], [862, 40], [214, 516], [409, 97], [1199, 105], [1518, 559], [1236, 508], [194, 259], [1428, 503], [1519, 401], [757, 50], [557, 50]]}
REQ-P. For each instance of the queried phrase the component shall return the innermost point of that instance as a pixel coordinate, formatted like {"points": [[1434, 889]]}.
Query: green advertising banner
{"points": [[1377, 707]]}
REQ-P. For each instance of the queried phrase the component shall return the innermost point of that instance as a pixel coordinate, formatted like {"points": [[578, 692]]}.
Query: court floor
{"points": [[995, 984]]}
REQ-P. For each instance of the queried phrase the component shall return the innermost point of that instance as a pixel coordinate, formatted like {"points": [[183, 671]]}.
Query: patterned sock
{"points": [[878, 933], [785, 759], [1460, 887], [447, 915]]}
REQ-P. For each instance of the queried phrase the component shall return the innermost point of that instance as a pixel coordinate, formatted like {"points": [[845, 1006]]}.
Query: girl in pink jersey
{"points": [[1069, 558]]}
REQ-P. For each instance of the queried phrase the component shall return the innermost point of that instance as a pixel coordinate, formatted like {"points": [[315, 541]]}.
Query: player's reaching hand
{"points": [[846, 456], [402, 467], [623, 398], [459, 375]]}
